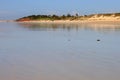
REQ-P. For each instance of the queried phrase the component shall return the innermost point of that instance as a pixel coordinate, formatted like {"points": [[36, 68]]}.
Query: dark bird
{"points": [[98, 39]]}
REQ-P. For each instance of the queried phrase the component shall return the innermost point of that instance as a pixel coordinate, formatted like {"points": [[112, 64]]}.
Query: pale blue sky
{"points": [[12, 9]]}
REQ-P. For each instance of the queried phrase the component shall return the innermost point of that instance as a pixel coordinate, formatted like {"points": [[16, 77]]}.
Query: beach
{"points": [[69, 21]]}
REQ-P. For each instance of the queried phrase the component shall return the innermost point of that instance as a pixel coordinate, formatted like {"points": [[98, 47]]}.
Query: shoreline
{"points": [[65, 21], [7, 21], [69, 21]]}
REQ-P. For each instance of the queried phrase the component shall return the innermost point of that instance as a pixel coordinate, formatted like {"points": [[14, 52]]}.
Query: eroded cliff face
{"points": [[24, 19]]}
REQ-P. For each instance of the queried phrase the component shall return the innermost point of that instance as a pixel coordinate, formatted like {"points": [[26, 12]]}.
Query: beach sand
{"points": [[73, 21]]}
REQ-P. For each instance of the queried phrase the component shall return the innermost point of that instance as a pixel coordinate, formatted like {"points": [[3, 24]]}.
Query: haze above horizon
{"points": [[16, 9]]}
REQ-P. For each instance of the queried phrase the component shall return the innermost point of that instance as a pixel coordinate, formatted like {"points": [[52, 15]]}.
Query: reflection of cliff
{"points": [[71, 26]]}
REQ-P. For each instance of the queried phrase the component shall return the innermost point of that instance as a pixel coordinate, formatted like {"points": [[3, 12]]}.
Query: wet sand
{"points": [[59, 51]]}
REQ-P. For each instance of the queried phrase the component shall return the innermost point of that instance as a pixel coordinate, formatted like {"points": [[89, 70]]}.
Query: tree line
{"points": [[50, 17]]}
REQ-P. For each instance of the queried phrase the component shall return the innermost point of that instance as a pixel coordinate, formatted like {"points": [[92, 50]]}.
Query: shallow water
{"points": [[34, 51]]}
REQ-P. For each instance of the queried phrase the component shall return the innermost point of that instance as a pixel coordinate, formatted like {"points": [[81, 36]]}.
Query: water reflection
{"points": [[72, 26]]}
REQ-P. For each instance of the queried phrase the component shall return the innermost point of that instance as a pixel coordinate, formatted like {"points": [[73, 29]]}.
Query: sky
{"points": [[13, 9]]}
